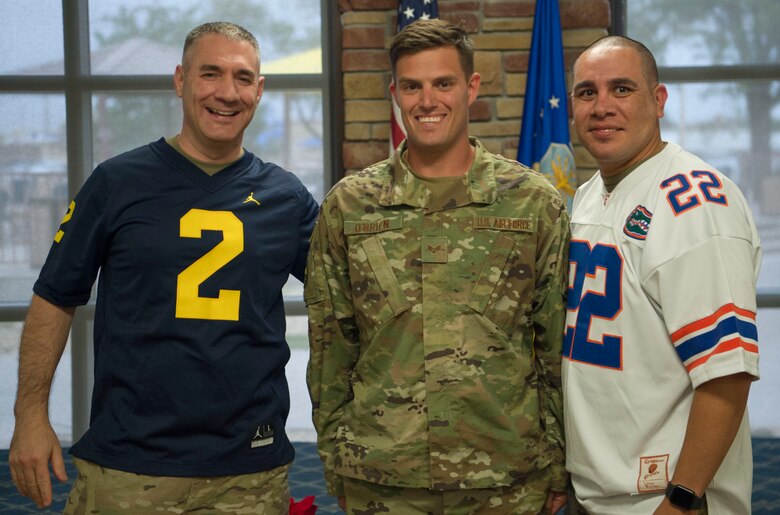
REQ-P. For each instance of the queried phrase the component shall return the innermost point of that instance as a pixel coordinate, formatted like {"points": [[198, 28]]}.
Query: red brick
{"points": [[585, 13], [364, 60], [363, 37], [368, 5], [510, 9], [445, 6], [516, 62], [480, 111], [360, 155]]}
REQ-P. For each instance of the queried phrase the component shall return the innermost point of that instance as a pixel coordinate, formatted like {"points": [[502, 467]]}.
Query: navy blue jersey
{"points": [[189, 321]]}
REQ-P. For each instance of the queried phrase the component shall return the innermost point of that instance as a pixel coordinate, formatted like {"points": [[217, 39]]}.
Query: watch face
{"points": [[682, 497]]}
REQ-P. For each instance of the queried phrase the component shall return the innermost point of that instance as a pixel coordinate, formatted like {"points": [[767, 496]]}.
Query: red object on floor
{"points": [[305, 506]]}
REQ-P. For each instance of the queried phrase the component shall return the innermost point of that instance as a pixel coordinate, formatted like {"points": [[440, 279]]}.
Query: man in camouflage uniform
{"points": [[435, 288]]}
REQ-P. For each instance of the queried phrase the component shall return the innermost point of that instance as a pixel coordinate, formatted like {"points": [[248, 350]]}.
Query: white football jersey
{"points": [[661, 299]]}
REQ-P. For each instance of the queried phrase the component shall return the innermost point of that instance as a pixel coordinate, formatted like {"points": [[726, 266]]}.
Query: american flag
{"points": [[408, 11]]}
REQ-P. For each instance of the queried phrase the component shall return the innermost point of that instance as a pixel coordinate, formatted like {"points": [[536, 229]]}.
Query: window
{"points": [[719, 59], [82, 81]]}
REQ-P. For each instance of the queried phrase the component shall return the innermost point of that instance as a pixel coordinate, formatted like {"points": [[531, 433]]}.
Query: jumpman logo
{"points": [[251, 198], [263, 436]]}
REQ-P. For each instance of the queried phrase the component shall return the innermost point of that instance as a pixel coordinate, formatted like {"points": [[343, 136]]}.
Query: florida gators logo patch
{"points": [[638, 223]]}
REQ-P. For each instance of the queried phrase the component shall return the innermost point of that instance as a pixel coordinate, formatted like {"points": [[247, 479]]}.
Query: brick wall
{"points": [[501, 30]]}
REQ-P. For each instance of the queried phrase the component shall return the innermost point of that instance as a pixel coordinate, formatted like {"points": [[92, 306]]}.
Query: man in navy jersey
{"points": [[194, 238]]}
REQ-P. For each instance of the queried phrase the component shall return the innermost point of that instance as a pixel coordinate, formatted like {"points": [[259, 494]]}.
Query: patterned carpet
{"points": [[306, 479]]}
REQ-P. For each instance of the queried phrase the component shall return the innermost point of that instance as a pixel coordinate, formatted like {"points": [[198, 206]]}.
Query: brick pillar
{"points": [[501, 31]]}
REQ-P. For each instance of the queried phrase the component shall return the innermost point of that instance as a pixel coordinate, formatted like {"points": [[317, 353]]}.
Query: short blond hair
{"points": [[427, 34]]}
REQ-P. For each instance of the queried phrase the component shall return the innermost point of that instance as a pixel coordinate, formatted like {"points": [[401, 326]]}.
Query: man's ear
{"points": [[473, 87], [661, 94], [178, 80], [260, 86]]}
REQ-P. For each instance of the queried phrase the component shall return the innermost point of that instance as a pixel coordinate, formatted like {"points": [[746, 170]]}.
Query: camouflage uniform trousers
{"points": [[575, 508], [104, 491], [365, 498]]}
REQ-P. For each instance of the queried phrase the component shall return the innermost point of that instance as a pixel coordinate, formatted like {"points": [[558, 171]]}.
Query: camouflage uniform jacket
{"points": [[436, 327]]}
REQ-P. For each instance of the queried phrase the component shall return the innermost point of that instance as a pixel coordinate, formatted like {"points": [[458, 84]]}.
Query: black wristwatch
{"points": [[682, 497]]}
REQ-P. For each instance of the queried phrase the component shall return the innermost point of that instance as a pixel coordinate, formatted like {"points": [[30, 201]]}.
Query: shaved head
{"points": [[649, 66]]}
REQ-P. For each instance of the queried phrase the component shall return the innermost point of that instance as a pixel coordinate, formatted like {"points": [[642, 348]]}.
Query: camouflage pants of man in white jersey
{"points": [[99, 490]]}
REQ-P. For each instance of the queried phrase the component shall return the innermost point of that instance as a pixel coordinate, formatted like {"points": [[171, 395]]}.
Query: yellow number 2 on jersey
{"points": [[189, 304], [65, 219]]}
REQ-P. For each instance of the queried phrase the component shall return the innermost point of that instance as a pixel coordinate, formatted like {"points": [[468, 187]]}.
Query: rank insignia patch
{"points": [[638, 223]]}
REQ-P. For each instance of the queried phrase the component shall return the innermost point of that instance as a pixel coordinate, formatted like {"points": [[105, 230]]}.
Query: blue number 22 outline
{"points": [[608, 352], [706, 182]]}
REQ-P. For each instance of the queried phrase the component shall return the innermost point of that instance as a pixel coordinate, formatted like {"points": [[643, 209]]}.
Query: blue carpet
{"points": [[766, 476], [306, 479]]}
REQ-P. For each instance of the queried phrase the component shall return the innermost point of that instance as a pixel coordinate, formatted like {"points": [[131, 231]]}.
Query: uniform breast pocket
{"points": [[376, 293], [505, 287]]}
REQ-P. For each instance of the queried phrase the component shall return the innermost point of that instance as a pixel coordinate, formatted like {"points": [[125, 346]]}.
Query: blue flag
{"points": [[544, 136], [408, 11]]}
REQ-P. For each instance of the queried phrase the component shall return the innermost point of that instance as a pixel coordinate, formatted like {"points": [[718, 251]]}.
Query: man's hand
{"points": [[33, 445], [555, 501]]}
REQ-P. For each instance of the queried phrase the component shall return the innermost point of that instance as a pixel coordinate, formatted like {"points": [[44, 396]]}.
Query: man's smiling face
{"points": [[434, 95], [616, 108], [220, 87]]}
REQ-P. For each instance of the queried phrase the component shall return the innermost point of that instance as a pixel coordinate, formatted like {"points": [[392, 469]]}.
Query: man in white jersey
{"points": [[661, 343]]}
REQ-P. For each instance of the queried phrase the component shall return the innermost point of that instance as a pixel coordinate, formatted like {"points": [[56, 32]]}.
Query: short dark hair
{"points": [[649, 66], [428, 34], [222, 28]]}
